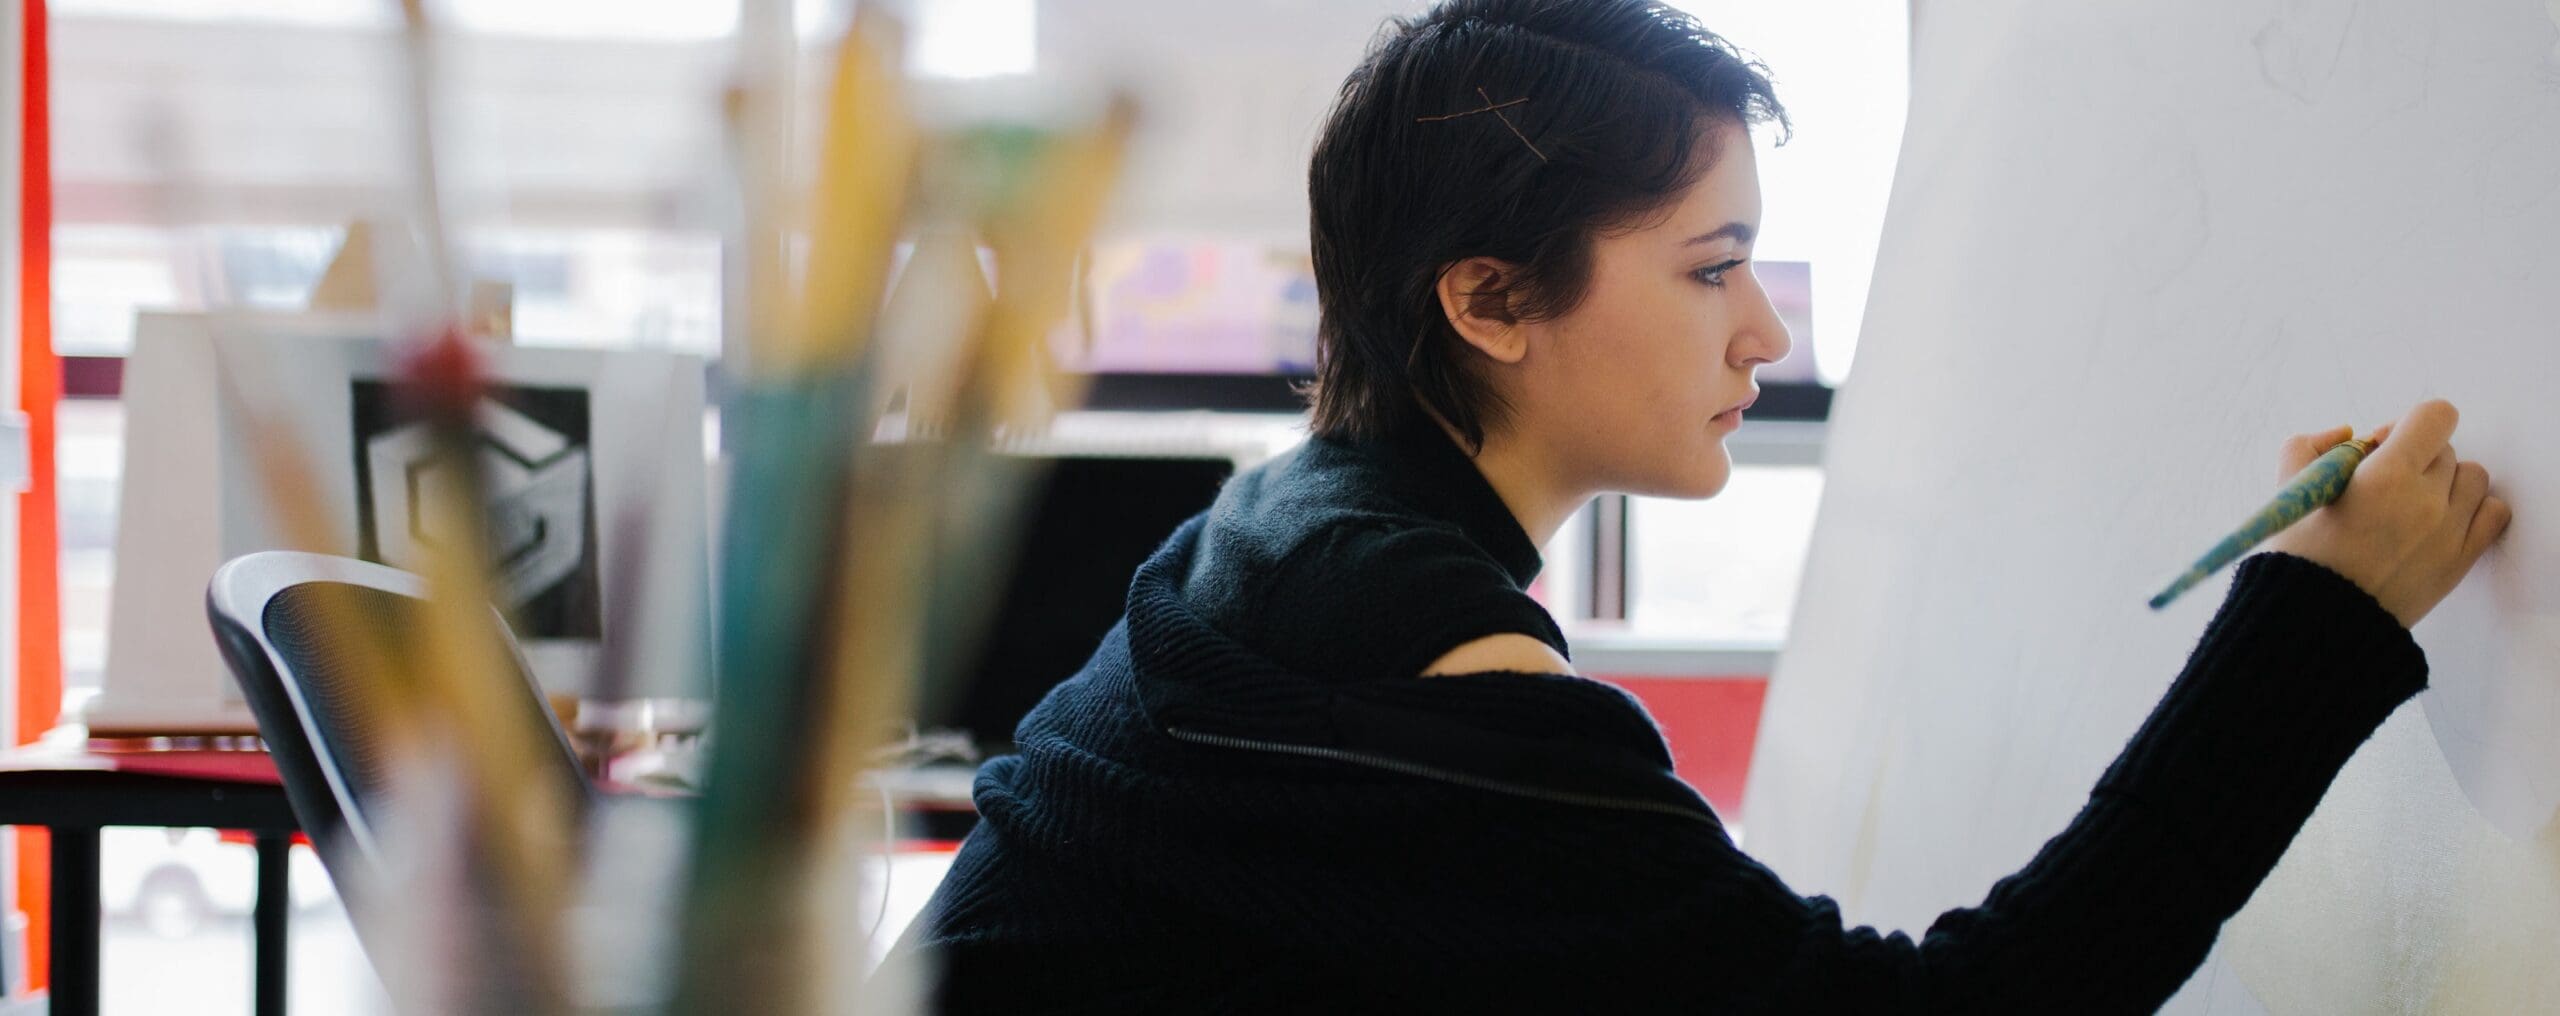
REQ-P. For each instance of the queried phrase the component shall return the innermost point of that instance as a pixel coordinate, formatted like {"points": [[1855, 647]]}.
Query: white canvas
{"points": [[2131, 247]]}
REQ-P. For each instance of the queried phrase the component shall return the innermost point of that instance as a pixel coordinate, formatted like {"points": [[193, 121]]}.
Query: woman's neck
{"points": [[1539, 499]]}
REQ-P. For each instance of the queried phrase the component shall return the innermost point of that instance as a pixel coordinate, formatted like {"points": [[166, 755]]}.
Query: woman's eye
{"points": [[1713, 275]]}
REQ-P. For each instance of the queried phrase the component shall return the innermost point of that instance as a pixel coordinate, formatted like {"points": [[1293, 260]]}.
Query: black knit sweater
{"points": [[1192, 826]]}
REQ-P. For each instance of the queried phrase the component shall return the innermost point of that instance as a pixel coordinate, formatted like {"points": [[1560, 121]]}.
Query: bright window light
{"points": [[296, 12], [947, 38], [620, 19], [1725, 569], [973, 38], [625, 19]]}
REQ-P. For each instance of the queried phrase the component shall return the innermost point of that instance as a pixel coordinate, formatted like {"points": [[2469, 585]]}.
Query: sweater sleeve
{"points": [[2296, 670]]}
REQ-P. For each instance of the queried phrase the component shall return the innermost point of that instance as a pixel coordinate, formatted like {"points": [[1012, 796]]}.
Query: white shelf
{"points": [[1637, 655]]}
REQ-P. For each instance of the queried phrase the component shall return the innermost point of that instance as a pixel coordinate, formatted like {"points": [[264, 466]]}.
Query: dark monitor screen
{"points": [[1094, 521]]}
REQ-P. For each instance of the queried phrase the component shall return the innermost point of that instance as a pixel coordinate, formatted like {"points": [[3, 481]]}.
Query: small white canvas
{"points": [[593, 461]]}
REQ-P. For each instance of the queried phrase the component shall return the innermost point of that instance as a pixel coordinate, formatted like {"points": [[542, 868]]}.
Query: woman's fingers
{"points": [[2300, 449], [2470, 485], [2471, 510], [2419, 436], [2415, 519], [2488, 523], [2440, 473]]}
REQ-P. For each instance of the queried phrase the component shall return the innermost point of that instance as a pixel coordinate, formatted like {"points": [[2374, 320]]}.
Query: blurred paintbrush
{"points": [[931, 522], [793, 422], [517, 824], [1006, 389]]}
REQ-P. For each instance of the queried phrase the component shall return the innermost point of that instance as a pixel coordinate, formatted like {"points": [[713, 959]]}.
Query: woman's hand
{"points": [[2413, 520]]}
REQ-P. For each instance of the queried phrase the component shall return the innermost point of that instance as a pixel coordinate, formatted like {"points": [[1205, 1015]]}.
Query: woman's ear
{"points": [[1481, 314]]}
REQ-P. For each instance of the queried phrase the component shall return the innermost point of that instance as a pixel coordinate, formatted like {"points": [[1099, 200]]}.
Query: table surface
{"points": [[50, 784]]}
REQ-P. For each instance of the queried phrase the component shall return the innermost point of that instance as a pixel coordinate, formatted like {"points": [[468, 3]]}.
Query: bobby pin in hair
{"points": [[1496, 109]]}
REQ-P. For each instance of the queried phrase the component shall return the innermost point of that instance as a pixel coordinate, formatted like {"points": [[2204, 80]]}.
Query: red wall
{"points": [[39, 691], [1711, 723]]}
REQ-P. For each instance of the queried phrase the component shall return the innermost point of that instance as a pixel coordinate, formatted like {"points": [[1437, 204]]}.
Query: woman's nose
{"points": [[1764, 339]]}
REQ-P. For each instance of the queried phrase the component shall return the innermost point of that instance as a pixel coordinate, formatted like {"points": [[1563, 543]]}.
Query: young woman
{"points": [[1335, 756]]}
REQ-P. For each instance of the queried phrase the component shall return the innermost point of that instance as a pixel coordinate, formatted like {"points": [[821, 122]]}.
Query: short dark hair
{"points": [[1607, 101]]}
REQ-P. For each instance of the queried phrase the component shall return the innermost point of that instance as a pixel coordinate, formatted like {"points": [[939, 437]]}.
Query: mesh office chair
{"points": [[267, 611]]}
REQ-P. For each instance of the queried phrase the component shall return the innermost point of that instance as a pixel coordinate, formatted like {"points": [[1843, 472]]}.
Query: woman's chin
{"points": [[1699, 479]]}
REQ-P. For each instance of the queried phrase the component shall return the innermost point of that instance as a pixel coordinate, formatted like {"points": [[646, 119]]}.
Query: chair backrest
{"points": [[267, 611]]}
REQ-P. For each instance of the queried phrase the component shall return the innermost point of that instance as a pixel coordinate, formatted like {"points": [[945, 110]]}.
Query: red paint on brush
{"points": [[443, 379]]}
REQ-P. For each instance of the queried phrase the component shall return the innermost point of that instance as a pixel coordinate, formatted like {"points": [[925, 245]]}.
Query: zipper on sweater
{"points": [[1451, 776]]}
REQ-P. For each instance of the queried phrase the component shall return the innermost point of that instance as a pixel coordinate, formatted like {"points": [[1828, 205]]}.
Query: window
{"points": [[972, 38], [266, 133], [653, 289], [643, 19], [1723, 570], [947, 38]]}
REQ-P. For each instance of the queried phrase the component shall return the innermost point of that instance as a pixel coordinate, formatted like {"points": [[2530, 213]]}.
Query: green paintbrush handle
{"points": [[2317, 484]]}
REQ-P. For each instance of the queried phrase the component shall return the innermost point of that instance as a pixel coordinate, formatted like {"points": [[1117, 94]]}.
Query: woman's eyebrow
{"points": [[1740, 232]]}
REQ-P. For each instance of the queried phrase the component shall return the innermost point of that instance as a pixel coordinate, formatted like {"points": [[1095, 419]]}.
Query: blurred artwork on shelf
{"points": [[1194, 307], [1236, 307]]}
